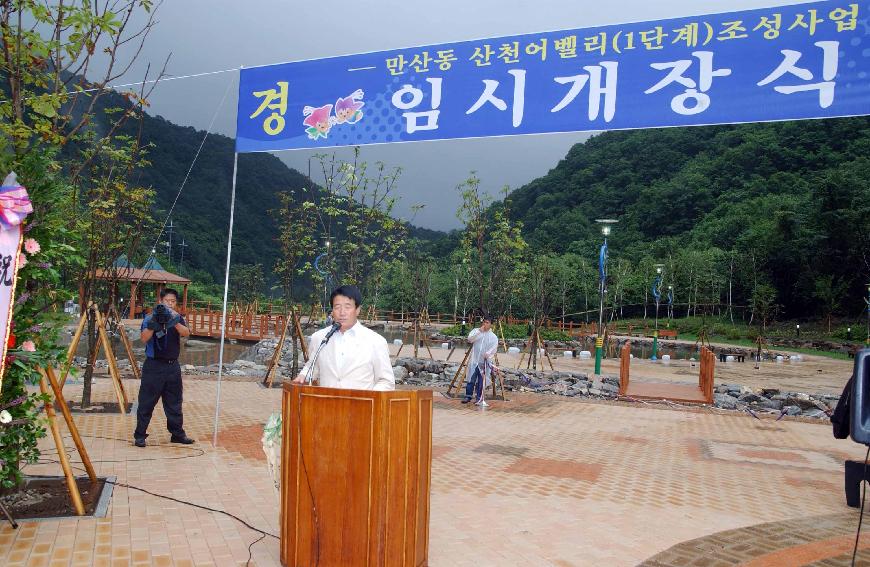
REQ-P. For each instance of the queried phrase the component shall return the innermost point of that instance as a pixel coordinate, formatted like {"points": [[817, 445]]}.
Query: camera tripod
{"points": [[8, 515]]}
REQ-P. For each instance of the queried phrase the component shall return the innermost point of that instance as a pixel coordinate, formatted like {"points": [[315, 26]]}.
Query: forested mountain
{"points": [[203, 209], [782, 204], [781, 207]]}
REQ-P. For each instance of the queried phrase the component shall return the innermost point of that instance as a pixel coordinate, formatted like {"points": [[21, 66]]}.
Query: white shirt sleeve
{"points": [[492, 350], [474, 335], [384, 377]]}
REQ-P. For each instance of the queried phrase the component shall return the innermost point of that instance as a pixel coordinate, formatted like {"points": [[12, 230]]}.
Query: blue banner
{"points": [[602, 262], [792, 62], [657, 288]]}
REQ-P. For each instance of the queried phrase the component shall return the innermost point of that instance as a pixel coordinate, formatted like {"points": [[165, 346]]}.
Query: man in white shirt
{"points": [[484, 344], [355, 357]]}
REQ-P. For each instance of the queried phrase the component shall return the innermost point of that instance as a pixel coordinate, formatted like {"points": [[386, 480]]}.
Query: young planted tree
{"points": [[829, 291], [355, 212], [247, 282], [504, 248], [461, 270], [75, 172], [472, 214], [763, 303], [540, 294], [297, 242]]}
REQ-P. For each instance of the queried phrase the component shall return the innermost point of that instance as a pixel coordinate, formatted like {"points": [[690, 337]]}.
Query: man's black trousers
{"points": [[160, 379]]}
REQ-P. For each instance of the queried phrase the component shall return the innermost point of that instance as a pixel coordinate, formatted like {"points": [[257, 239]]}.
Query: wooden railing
{"points": [[250, 326]]}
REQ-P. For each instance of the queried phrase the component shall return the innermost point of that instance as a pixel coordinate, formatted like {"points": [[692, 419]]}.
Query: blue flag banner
{"points": [[790, 62], [657, 288], [602, 262]]}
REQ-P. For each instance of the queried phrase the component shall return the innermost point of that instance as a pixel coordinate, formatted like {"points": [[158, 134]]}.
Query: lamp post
{"points": [[657, 293], [602, 289]]}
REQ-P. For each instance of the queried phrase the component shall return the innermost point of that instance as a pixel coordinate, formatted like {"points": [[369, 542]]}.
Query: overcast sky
{"points": [[214, 35]]}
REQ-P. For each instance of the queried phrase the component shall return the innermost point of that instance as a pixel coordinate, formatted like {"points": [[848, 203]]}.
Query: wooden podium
{"points": [[356, 467]]}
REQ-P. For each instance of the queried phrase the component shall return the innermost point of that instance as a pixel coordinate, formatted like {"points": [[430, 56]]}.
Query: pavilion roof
{"points": [[141, 275]]}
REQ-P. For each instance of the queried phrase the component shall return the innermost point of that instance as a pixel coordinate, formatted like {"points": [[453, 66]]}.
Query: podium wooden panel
{"points": [[356, 467]]}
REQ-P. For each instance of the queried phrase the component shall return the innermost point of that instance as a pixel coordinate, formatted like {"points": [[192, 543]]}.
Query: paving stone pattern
{"points": [[536, 481]]}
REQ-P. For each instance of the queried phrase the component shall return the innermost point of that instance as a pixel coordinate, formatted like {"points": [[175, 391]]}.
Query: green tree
{"points": [[297, 241], [472, 214], [72, 170], [246, 282], [764, 304], [829, 291], [355, 215]]}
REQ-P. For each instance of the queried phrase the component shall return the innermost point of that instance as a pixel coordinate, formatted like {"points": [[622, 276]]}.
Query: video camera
{"points": [[161, 318]]}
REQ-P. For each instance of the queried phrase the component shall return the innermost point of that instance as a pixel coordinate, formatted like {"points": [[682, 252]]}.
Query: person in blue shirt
{"points": [[162, 330]]}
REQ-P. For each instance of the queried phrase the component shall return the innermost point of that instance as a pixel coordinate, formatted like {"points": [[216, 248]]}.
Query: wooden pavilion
{"points": [[150, 274]]}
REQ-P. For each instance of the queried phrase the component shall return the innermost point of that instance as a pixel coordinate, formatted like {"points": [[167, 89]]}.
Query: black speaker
{"points": [[855, 473], [861, 398]]}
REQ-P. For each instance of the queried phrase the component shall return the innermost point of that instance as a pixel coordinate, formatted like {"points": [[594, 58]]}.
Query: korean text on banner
{"points": [[791, 62]]}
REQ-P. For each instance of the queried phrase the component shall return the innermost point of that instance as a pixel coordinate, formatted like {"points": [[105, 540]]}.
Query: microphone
{"points": [[335, 327]]}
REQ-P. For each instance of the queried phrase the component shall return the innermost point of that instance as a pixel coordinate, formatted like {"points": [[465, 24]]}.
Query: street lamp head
{"points": [[670, 287], [659, 268], [605, 225]]}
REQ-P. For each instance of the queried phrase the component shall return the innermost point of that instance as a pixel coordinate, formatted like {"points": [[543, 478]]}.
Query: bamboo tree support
{"points": [[449, 354], [313, 313], [71, 485], [371, 314], [534, 341], [501, 336], [497, 378], [418, 336], [450, 393], [760, 344], [546, 354], [73, 346], [113, 364], [48, 372], [298, 324], [424, 317], [128, 346], [272, 369]]}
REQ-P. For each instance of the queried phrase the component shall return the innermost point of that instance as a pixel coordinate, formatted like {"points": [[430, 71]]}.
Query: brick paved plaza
{"points": [[536, 481]]}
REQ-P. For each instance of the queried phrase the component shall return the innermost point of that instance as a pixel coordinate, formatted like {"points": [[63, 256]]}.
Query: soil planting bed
{"points": [[48, 497]]}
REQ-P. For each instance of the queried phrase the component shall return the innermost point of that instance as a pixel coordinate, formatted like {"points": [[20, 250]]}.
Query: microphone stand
{"points": [[310, 375]]}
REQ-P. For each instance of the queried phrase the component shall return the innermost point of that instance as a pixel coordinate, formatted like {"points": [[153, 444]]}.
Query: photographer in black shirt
{"points": [[161, 374]]}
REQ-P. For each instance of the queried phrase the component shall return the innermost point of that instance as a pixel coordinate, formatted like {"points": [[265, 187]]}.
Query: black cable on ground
{"points": [[262, 533]]}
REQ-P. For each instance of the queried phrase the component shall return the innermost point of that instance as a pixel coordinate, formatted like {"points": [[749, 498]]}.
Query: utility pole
{"points": [[183, 245]]}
